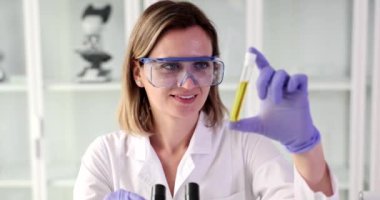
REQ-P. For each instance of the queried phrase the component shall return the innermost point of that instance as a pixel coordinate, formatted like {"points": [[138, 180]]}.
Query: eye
{"points": [[201, 65], [170, 67]]}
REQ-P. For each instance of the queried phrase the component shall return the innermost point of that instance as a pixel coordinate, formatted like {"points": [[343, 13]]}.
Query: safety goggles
{"points": [[174, 71]]}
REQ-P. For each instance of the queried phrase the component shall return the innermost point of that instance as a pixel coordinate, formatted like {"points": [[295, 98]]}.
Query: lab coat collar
{"points": [[139, 147], [201, 141]]}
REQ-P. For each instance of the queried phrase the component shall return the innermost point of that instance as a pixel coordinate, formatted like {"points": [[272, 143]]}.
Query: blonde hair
{"points": [[134, 113]]}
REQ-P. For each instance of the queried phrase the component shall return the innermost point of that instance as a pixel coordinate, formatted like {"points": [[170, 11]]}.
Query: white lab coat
{"points": [[227, 165]]}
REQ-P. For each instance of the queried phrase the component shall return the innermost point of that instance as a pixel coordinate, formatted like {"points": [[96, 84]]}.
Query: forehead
{"points": [[188, 42]]}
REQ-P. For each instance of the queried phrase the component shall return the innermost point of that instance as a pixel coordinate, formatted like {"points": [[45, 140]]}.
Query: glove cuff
{"points": [[306, 145]]}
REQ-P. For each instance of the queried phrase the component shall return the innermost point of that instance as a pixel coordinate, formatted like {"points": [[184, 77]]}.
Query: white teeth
{"points": [[187, 97]]}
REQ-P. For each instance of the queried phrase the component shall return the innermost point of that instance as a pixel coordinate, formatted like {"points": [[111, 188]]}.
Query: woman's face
{"points": [[187, 100]]}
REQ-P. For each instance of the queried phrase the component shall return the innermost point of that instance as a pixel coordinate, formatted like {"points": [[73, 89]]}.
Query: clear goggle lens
{"points": [[173, 72]]}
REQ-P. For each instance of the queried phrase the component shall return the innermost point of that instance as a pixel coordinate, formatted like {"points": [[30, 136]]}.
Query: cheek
{"points": [[156, 96], [145, 83], [205, 93]]}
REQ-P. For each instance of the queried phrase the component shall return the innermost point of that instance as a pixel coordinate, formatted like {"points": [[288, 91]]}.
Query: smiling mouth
{"points": [[185, 98]]}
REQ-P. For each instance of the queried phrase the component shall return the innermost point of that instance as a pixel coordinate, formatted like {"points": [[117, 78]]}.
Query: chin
{"points": [[186, 113]]}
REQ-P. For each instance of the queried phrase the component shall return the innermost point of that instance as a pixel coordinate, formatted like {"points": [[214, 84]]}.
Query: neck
{"points": [[170, 141], [173, 134]]}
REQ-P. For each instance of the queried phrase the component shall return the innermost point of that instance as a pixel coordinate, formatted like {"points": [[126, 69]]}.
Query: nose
{"points": [[188, 82]]}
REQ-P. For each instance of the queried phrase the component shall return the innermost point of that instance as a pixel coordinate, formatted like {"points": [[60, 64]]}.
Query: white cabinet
{"points": [[74, 113], [15, 176], [332, 42], [47, 124], [315, 38]]}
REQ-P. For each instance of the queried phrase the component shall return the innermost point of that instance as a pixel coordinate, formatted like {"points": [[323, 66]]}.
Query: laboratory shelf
{"points": [[62, 182], [15, 183], [14, 84], [329, 85], [12, 88], [82, 87]]}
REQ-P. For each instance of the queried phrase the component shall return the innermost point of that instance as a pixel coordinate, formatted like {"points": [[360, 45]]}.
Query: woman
{"points": [[174, 129]]}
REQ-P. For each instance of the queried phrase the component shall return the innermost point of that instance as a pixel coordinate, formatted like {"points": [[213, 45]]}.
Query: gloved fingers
{"points": [[261, 61], [134, 196], [123, 195], [114, 195], [278, 84], [263, 81], [297, 82], [252, 124]]}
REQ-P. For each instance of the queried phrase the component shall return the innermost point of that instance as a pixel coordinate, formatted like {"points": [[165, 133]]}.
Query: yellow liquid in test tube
{"points": [[249, 65], [239, 97]]}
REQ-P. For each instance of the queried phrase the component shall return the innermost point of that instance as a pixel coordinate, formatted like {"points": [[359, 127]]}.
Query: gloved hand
{"points": [[123, 195], [284, 113]]}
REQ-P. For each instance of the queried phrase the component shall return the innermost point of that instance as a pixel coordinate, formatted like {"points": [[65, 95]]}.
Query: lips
{"points": [[185, 98]]}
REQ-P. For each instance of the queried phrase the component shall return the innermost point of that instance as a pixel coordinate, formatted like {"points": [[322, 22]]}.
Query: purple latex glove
{"points": [[123, 195], [284, 113]]}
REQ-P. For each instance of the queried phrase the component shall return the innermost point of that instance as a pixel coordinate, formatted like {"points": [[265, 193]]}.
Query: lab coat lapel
{"points": [[207, 140], [184, 170], [199, 155], [141, 152]]}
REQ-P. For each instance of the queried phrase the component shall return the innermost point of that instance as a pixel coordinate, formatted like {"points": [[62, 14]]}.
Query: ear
{"points": [[137, 71]]}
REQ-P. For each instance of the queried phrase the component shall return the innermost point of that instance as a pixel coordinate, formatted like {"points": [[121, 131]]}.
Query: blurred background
{"points": [[48, 117]]}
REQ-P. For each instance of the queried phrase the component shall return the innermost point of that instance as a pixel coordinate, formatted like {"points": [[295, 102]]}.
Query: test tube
{"points": [[249, 64]]}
